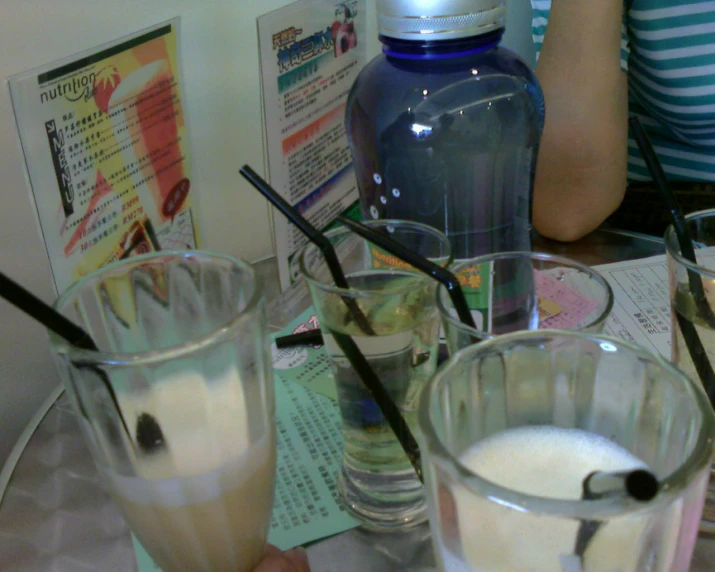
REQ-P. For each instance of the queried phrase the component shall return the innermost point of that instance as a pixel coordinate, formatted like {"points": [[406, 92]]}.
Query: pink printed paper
{"points": [[574, 306]]}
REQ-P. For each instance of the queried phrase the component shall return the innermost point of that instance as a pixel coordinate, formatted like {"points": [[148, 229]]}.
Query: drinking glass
{"points": [[512, 426], [177, 405], [692, 312], [399, 336], [510, 291]]}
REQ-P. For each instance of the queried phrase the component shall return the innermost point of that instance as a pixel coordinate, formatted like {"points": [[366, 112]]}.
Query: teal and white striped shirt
{"points": [[668, 51]]}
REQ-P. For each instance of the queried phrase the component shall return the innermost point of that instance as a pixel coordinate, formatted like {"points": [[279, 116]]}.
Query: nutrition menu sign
{"points": [[105, 146]]}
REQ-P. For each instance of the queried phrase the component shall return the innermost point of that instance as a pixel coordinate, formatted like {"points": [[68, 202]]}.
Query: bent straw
{"points": [[639, 484], [442, 275], [692, 339], [64, 328], [685, 240], [348, 346], [316, 237]]}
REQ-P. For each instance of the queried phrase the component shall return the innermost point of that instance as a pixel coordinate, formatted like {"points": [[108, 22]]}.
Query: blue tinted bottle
{"points": [[444, 125]]}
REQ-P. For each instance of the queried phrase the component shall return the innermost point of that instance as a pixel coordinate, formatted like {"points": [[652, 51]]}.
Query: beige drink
{"points": [[203, 502]]}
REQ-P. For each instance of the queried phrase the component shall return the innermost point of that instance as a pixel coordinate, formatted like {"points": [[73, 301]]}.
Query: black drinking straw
{"points": [[383, 400], [66, 329], [442, 275], [312, 336], [348, 346], [316, 237], [638, 484], [692, 339]]}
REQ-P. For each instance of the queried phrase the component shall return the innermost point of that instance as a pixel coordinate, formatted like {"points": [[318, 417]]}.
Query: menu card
{"points": [[311, 52], [105, 142], [641, 309]]}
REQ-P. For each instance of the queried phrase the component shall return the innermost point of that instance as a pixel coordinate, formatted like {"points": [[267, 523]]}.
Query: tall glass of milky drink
{"points": [[692, 301], [177, 405], [511, 427], [397, 330]]}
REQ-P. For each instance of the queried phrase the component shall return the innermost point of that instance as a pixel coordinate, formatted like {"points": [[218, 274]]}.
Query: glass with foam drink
{"points": [[510, 429], [512, 291], [177, 405], [389, 311]]}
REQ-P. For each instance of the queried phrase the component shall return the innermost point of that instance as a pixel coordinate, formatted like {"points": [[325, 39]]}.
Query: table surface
{"points": [[55, 514]]}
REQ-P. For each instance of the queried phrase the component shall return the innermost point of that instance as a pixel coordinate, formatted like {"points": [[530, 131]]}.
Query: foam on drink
{"points": [[201, 501], [550, 462]]}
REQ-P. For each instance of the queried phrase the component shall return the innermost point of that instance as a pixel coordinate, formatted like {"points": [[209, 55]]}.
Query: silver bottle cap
{"points": [[439, 19]]}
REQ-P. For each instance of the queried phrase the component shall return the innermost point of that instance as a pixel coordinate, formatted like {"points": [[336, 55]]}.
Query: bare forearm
{"points": [[581, 172]]}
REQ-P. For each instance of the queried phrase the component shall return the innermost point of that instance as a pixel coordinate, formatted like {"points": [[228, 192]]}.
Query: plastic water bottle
{"points": [[444, 125]]}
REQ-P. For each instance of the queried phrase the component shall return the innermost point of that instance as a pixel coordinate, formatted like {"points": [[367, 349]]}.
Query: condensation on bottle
{"points": [[444, 125]]}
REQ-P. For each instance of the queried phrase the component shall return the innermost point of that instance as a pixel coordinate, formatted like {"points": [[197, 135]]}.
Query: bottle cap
{"points": [[440, 19]]}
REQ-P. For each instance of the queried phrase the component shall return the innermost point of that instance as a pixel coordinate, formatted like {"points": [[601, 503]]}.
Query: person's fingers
{"points": [[299, 557], [272, 550], [277, 563], [295, 560]]}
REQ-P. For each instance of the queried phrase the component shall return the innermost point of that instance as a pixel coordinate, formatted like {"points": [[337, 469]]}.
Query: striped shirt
{"points": [[668, 52]]}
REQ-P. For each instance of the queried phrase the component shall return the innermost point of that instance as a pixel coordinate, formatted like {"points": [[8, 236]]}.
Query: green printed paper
{"points": [[310, 447], [307, 365], [476, 285], [144, 561]]}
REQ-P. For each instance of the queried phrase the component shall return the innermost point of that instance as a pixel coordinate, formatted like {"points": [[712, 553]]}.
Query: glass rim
{"points": [[671, 485], [149, 357], [475, 332], [419, 276], [672, 246]]}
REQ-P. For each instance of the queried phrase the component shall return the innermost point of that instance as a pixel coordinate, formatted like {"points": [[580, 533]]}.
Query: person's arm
{"points": [[582, 164]]}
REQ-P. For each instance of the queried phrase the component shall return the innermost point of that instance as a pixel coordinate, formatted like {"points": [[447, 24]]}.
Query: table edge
{"points": [[18, 449]]}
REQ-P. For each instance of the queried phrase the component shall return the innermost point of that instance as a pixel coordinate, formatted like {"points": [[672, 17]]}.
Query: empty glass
{"points": [[510, 291]]}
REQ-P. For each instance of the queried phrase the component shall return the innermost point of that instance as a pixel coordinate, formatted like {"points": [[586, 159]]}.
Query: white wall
{"points": [[220, 65]]}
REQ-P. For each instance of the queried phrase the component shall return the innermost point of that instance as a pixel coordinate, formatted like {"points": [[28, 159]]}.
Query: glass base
{"points": [[381, 500]]}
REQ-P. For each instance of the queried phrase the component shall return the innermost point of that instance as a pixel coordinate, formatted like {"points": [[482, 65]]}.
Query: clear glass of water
{"points": [[692, 300], [510, 428], [177, 405], [400, 339], [511, 291]]}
